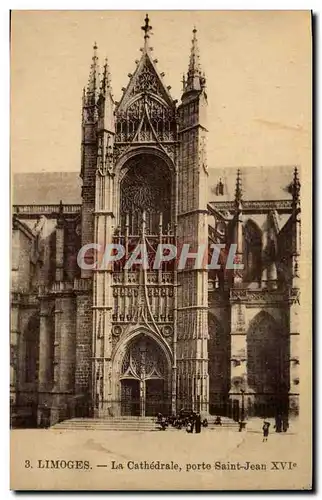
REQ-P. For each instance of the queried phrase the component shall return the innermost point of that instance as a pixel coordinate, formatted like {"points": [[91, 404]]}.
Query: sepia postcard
{"points": [[161, 181]]}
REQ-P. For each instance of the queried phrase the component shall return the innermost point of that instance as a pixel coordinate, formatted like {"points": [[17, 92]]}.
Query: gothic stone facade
{"points": [[134, 342]]}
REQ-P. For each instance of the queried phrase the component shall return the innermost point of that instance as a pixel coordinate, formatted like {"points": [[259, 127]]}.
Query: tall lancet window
{"points": [[252, 252]]}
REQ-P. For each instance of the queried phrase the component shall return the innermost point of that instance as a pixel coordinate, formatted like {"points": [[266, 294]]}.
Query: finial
{"points": [[183, 81], [106, 82], [238, 190], [146, 28], [93, 75], [195, 80]]}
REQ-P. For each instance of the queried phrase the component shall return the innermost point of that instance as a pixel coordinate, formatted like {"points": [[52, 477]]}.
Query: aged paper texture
{"points": [[161, 250]]}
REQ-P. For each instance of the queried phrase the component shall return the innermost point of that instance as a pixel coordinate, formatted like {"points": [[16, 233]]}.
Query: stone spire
{"points": [[239, 226], [93, 79], [195, 78], [106, 79]]}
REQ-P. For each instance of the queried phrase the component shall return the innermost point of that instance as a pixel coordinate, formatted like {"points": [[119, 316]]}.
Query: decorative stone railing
{"points": [[48, 210], [152, 278], [78, 285], [24, 299], [264, 295], [256, 206]]}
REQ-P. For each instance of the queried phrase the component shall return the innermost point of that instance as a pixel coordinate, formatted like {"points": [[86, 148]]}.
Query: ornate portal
{"points": [[144, 379]]}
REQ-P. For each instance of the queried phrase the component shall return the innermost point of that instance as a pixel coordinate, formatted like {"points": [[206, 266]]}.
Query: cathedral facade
{"points": [[103, 341]]}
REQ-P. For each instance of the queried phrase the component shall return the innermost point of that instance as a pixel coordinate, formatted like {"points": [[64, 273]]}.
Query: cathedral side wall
{"points": [[84, 325]]}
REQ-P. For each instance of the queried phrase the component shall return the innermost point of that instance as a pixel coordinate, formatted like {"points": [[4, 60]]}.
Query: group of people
{"points": [[191, 421]]}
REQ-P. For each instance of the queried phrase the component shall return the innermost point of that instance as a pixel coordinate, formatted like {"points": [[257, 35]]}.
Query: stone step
{"points": [[127, 424]]}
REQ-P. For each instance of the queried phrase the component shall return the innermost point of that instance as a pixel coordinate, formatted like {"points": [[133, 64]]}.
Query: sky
{"points": [[257, 65]]}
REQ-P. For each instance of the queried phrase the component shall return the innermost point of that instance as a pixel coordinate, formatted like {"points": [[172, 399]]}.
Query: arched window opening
{"points": [[267, 371], [146, 187]]}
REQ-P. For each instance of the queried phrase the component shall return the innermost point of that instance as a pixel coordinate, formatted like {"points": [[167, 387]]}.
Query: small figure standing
{"points": [[192, 420], [198, 423], [266, 426], [189, 428]]}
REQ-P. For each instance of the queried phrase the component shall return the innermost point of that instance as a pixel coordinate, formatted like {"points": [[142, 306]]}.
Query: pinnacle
{"points": [[195, 78], [238, 190]]}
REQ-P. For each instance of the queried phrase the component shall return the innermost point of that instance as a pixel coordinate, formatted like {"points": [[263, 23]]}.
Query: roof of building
{"points": [[46, 188], [258, 183]]}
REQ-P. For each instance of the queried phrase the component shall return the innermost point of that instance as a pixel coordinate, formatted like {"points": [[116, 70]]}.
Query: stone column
{"points": [[64, 357], [59, 274], [84, 334], [103, 297], [295, 298], [14, 342], [67, 344], [238, 370], [265, 254], [55, 410], [44, 371], [294, 359]]}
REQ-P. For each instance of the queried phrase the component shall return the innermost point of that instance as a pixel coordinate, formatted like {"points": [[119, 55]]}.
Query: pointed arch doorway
{"points": [[144, 379], [267, 362]]}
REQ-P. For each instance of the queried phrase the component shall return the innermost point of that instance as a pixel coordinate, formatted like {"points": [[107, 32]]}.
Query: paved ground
{"points": [[200, 459]]}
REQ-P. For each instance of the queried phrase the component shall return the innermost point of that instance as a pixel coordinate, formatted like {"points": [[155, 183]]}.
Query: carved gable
{"points": [[146, 112], [146, 79]]}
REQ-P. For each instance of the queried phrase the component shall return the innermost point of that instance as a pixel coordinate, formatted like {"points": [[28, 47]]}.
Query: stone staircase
{"points": [[129, 424], [108, 424]]}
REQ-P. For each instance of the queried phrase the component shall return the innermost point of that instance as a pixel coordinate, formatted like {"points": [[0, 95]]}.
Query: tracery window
{"points": [[145, 187], [143, 360]]}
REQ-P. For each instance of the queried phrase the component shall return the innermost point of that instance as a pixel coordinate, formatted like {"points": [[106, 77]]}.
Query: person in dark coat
{"points": [[198, 423], [278, 423], [192, 420], [265, 428], [218, 421], [285, 424]]}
